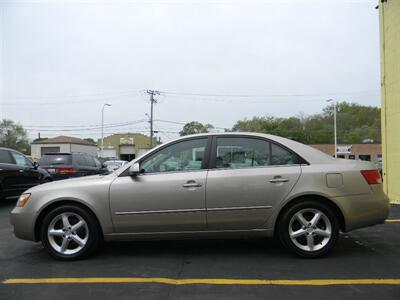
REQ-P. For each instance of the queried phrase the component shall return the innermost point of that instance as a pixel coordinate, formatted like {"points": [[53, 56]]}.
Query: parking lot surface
{"points": [[364, 265]]}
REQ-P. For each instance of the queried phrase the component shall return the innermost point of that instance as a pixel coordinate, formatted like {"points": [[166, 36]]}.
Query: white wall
{"points": [[36, 148], [107, 152], [67, 148]]}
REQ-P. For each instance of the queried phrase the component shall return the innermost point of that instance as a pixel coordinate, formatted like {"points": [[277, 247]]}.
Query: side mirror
{"points": [[35, 165], [134, 169]]}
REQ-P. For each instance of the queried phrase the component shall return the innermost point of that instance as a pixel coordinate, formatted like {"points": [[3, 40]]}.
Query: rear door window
{"points": [[238, 152], [5, 157], [80, 160], [90, 161]]}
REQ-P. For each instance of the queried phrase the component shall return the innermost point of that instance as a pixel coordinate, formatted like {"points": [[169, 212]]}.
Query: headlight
{"points": [[23, 199]]}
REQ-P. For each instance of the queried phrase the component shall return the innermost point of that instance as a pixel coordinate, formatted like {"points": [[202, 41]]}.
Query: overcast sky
{"points": [[61, 60]]}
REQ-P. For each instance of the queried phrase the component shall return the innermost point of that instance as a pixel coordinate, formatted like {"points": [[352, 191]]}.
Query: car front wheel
{"points": [[69, 232], [309, 229]]}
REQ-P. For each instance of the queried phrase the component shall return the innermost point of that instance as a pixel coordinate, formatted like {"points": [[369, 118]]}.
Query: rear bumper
{"points": [[364, 210]]}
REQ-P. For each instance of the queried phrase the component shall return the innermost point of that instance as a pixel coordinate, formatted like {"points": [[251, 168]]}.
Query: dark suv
{"points": [[66, 165], [18, 173]]}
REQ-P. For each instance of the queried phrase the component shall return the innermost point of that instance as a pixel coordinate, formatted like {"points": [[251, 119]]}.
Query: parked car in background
{"points": [[67, 165], [18, 173], [209, 185], [32, 158], [113, 165]]}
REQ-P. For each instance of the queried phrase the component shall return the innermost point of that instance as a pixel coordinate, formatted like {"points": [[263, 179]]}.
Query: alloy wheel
{"points": [[310, 229], [68, 233]]}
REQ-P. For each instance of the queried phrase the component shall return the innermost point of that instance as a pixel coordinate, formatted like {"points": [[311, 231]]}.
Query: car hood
{"points": [[74, 183]]}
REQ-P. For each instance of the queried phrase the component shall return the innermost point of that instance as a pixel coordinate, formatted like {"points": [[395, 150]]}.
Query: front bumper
{"points": [[23, 223]]}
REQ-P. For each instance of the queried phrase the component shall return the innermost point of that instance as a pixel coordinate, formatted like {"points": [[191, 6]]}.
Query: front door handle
{"points": [[191, 183], [278, 179]]}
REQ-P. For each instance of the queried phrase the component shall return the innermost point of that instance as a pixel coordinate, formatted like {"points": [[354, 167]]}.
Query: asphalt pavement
{"points": [[364, 265]]}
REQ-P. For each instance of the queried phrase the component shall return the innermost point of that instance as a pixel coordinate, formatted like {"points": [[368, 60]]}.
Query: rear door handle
{"points": [[191, 183], [278, 179]]}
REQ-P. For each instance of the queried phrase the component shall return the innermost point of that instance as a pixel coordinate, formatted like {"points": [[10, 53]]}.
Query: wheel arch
{"points": [[321, 199], [53, 205]]}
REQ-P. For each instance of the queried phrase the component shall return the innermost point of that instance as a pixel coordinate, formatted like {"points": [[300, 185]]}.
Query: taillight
{"points": [[372, 176], [66, 170]]}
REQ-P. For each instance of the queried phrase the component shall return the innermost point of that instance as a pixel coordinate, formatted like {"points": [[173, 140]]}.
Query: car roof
{"points": [[308, 153], [11, 149]]}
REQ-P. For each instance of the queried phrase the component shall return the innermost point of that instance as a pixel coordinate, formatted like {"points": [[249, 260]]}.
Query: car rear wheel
{"points": [[69, 232], [309, 229]]}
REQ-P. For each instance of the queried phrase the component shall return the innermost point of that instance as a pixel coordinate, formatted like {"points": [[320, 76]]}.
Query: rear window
{"points": [[57, 159]]}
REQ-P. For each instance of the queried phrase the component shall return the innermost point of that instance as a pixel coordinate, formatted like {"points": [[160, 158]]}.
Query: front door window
{"points": [[183, 156]]}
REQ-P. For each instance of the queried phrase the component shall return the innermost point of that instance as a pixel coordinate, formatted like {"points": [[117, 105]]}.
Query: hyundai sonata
{"points": [[208, 185]]}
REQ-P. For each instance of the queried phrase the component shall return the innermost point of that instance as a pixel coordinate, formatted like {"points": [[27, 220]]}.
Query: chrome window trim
{"points": [[172, 172], [257, 167]]}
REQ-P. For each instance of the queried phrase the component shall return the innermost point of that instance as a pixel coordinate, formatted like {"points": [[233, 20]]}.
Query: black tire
{"points": [[288, 223], [91, 228]]}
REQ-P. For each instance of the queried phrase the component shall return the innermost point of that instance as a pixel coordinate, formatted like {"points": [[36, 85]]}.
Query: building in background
{"points": [[369, 152], [389, 13], [125, 146], [64, 144]]}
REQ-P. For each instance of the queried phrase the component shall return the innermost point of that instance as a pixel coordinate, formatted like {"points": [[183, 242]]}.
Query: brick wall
{"points": [[374, 150]]}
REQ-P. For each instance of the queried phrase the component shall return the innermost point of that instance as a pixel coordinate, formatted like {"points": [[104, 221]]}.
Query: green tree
{"points": [[13, 136], [355, 123], [90, 140], [195, 127]]}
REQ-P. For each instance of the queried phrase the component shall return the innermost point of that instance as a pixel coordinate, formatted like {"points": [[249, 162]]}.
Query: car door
{"points": [[30, 175], [248, 176], [9, 175], [168, 195]]}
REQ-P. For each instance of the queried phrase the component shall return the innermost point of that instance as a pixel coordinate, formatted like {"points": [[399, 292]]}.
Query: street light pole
{"points": [[334, 123], [102, 128]]}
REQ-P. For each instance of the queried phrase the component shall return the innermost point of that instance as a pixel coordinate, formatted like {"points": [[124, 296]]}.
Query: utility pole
{"points": [[152, 101], [102, 129], [334, 123]]}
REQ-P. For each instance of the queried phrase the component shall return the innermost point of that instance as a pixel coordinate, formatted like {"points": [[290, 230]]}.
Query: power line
{"points": [[183, 123], [197, 96], [80, 128], [97, 100], [269, 95], [74, 96]]}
